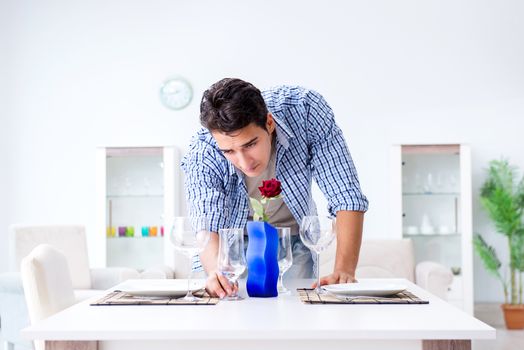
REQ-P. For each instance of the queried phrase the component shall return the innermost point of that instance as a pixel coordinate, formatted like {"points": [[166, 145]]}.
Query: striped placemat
{"points": [[120, 298], [309, 296]]}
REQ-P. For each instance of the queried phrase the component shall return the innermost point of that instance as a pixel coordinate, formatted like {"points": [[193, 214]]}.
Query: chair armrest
{"points": [[434, 277], [160, 271], [107, 277]]}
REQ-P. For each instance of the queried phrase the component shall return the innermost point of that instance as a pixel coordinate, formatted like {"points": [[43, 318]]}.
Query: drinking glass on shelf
{"points": [[231, 258], [285, 256], [317, 233], [189, 235]]}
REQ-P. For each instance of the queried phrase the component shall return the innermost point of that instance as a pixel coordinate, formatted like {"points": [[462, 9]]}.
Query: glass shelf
{"points": [[453, 234], [136, 237], [135, 196], [431, 194]]}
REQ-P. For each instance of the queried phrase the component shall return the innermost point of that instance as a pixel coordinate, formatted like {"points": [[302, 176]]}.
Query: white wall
{"points": [[4, 134], [87, 73]]}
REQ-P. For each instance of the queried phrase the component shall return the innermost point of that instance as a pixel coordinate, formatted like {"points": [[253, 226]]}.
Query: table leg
{"points": [[71, 345], [446, 344]]}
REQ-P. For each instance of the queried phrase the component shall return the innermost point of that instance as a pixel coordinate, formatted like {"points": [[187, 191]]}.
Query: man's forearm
{"points": [[208, 257], [349, 237]]}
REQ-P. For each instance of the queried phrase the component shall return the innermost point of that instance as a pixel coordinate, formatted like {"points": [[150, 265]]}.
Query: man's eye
{"points": [[226, 152], [251, 145]]}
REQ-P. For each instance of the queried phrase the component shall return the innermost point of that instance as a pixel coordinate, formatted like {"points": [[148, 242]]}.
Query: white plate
{"points": [[159, 288], [371, 288]]}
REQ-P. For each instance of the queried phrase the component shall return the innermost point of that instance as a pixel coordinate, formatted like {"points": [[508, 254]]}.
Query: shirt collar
{"points": [[283, 132]]}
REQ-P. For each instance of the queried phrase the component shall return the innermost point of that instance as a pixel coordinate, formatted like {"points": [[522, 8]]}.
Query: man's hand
{"points": [[217, 285], [336, 277]]}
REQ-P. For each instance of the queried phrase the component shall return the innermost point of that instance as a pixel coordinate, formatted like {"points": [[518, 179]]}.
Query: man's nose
{"points": [[244, 160]]}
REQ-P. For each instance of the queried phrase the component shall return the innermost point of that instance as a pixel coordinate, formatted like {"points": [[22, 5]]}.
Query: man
{"points": [[288, 133]]}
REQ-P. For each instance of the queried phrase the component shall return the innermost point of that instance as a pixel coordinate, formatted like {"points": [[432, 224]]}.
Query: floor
{"points": [[506, 340]]}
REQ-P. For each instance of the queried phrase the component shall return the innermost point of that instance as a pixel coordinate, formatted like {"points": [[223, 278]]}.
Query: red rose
{"points": [[270, 188]]}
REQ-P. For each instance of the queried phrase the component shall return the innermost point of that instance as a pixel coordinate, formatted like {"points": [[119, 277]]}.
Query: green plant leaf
{"points": [[502, 199], [488, 256], [258, 209]]}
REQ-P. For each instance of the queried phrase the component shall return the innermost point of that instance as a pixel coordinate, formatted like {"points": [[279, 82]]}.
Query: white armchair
{"points": [[71, 240], [394, 259]]}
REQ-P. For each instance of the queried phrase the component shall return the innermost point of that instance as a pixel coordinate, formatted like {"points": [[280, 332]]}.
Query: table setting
{"points": [[265, 272], [167, 314]]}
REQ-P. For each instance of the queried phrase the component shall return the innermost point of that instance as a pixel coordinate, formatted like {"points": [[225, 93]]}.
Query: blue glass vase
{"points": [[262, 260]]}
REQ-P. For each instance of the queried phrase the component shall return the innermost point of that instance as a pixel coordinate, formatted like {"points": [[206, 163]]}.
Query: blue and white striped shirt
{"points": [[309, 146]]}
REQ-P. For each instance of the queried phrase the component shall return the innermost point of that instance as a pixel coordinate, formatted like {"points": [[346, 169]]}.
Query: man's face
{"points": [[249, 148]]}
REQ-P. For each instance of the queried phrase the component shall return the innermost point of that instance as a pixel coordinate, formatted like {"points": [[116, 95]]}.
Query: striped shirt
{"points": [[309, 146]]}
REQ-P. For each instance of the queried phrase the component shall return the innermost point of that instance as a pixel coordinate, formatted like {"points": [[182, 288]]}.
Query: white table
{"points": [[263, 323]]}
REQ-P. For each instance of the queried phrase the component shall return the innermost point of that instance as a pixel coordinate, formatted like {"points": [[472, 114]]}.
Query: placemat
{"points": [[120, 298], [309, 296]]}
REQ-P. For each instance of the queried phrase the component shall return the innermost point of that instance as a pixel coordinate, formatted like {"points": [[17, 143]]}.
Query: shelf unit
{"points": [[137, 189], [432, 205]]}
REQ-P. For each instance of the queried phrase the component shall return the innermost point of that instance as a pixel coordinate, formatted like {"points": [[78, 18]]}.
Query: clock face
{"points": [[176, 93]]}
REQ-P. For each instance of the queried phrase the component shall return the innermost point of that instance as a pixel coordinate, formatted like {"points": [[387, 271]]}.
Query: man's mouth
{"points": [[250, 170]]}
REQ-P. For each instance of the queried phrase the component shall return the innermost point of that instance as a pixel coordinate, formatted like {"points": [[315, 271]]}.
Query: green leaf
{"points": [[502, 198], [488, 256], [258, 209]]}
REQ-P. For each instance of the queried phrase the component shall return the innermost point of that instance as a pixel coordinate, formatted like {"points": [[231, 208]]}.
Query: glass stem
{"points": [[189, 293], [318, 271], [280, 281]]}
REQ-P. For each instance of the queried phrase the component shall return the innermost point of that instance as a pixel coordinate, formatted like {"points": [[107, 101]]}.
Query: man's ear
{"points": [[270, 123]]}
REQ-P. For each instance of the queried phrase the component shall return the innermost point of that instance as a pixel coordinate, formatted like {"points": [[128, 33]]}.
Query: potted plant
{"points": [[502, 196]]}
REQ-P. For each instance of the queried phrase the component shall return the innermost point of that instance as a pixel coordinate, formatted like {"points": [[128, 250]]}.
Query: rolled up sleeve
{"points": [[331, 162]]}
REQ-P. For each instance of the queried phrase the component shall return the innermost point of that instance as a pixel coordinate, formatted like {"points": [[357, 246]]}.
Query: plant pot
{"points": [[262, 260], [513, 315]]}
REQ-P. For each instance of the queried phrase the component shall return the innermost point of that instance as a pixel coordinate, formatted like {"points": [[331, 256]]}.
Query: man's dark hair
{"points": [[232, 104]]}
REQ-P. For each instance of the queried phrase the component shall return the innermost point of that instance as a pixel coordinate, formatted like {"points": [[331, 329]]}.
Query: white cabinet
{"points": [[137, 187], [431, 201]]}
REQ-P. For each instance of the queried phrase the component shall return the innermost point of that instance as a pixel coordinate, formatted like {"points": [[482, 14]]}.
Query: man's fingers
{"points": [[225, 284], [335, 278], [330, 279], [344, 279], [214, 287]]}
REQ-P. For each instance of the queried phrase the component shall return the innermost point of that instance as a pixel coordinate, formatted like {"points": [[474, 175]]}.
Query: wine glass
{"points": [[231, 258], [285, 256], [317, 233], [190, 235]]}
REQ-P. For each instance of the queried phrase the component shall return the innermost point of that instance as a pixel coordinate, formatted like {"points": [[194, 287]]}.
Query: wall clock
{"points": [[176, 93]]}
